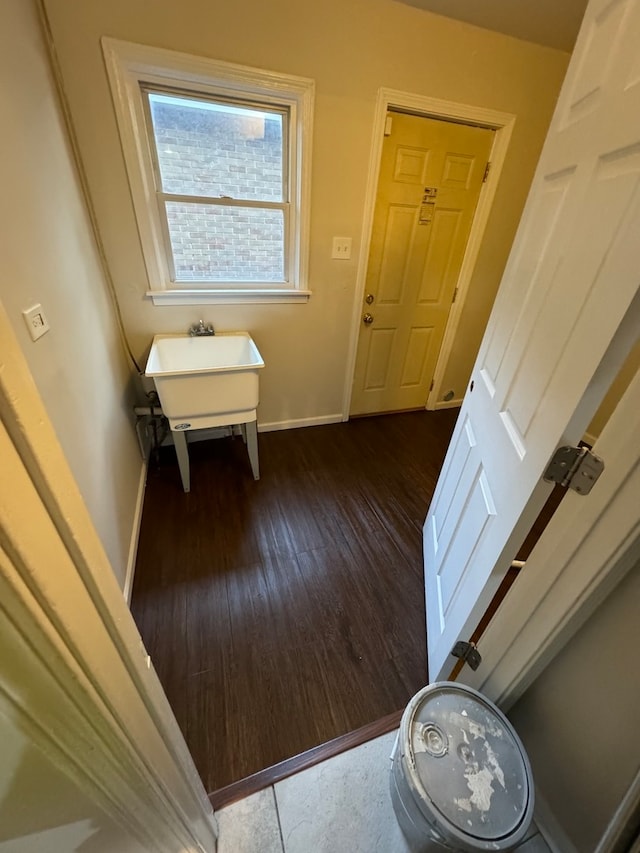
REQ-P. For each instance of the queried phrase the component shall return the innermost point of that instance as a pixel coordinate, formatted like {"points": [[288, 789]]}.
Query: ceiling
{"points": [[553, 23]]}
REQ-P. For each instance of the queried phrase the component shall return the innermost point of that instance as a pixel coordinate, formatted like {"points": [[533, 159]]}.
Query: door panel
{"points": [[430, 179], [395, 254], [378, 362], [457, 171], [416, 358], [411, 165], [570, 280], [438, 275]]}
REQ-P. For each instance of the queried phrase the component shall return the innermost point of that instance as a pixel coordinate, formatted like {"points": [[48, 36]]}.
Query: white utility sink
{"points": [[207, 381], [204, 376]]}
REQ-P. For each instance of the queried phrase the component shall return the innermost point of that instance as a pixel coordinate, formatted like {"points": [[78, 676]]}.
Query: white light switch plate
{"points": [[341, 248], [36, 321]]}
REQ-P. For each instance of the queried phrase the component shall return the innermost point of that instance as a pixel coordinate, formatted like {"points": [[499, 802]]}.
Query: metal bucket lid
{"points": [[467, 763]]}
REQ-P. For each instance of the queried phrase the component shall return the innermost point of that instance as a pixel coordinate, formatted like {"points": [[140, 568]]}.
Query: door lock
{"points": [[367, 319], [369, 298]]}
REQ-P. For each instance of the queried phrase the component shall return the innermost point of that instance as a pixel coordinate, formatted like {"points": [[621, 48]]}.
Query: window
{"points": [[222, 188], [217, 157]]}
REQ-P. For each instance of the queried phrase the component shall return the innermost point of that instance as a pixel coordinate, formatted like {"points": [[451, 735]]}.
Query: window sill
{"points": [[226, 297]]}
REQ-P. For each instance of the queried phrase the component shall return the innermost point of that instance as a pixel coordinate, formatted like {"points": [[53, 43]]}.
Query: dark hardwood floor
{"points": [[283, 613]]}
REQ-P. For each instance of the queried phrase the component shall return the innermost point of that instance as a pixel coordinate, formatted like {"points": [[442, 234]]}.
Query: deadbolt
{"points": [[369, 298], [367, 319]]}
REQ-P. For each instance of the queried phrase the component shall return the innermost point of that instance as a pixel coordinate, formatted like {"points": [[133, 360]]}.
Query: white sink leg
{"points": [[250, 430], [182, 452]]}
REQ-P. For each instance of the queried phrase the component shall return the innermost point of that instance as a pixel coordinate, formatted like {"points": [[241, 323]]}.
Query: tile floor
{"points": [[339, 806]]}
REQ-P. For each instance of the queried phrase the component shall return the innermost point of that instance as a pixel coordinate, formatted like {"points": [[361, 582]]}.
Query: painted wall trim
{"points": [[556, 838], [503, 124], [135, 534], [298, 423], [623, 827], [224, 297], [81, 621], [448, 404]]}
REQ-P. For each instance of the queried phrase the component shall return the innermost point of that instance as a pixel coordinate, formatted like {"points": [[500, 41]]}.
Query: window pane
{"points": [[216, 243], [216, 149]]}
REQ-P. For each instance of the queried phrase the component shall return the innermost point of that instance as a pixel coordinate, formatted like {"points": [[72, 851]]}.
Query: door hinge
{"points": [[433, 382], [388, 125], [468, 653], [455, 295], [575, 467], [487, 169]]}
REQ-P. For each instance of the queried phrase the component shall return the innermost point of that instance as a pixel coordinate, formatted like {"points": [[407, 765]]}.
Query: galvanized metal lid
{"points": [[468, 764]]}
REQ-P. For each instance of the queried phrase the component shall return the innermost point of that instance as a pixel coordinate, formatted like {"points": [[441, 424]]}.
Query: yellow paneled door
{"points": [[431, 174]]}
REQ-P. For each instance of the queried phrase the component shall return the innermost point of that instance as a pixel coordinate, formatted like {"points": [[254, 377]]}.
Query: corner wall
{"points": [[49, 257], [350, 48], [578, 720]]}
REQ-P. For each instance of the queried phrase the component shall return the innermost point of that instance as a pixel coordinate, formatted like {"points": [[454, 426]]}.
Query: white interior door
{"points": [[571, 277], [586, 550]]}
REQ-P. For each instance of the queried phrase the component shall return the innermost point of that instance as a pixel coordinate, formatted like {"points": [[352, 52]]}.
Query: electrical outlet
{"points": [[36, 321], [341, 248]]}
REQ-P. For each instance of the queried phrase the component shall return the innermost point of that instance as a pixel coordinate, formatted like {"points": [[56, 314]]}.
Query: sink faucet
{"points": [[199, 329]]}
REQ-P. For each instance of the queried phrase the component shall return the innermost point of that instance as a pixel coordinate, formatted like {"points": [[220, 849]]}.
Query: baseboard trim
{"points": [[323, 420], [135, 533], [265, 778], [623, 826], [549, 827], [448, 404]]}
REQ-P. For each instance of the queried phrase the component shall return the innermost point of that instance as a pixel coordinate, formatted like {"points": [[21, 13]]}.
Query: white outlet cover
{"points": [[37, 323]]}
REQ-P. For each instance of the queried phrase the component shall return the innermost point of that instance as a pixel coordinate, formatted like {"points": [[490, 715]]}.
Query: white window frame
{"points": [[129, 66]]}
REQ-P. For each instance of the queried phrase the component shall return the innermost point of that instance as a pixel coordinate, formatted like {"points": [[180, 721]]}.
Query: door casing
{"points": [[93, 699], [503, 124]]}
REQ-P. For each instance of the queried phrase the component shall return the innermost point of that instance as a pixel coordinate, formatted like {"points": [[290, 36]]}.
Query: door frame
{"points": [[436, 108], [92, 701]]}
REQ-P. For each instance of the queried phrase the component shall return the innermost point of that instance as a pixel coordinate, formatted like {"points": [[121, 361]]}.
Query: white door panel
{"points": [[571, 277]]}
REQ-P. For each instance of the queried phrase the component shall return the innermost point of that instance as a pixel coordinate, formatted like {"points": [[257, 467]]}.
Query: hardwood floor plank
{"points": [[285, 613]]}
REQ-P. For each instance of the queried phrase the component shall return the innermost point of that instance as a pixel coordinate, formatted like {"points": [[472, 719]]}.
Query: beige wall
{"points": [[578, 721], [613, 395], [48, 256], [350, 48]]}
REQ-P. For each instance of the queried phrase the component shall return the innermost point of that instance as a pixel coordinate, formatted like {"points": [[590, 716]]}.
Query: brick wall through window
{"points": [[213, 152]]}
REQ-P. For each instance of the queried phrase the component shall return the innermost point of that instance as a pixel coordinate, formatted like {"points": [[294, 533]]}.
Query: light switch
{"points": [[341, 248], [36, 321]]}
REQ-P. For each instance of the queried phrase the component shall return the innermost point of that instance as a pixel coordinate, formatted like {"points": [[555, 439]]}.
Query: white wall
{"points": [[579, 719], [350, 48], [48, 256]]}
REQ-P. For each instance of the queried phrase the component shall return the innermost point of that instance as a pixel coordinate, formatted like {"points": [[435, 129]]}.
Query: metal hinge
{"points": [[487, 169], [468, 653], [455, 295], [433, 382], [575, 467]]}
